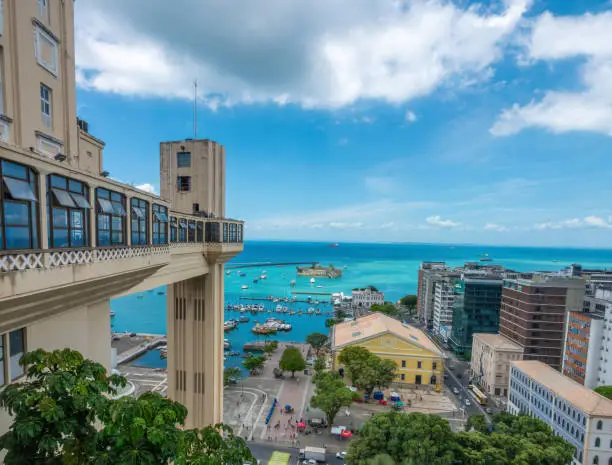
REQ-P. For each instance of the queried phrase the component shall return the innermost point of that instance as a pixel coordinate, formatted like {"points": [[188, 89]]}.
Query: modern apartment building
{"points": [[71, 238], [476, 310], [534, 313], [490, 364], [577, 414], [444, 300], [429, 273]]}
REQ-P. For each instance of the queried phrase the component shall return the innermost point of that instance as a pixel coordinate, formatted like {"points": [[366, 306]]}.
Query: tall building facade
{"points": [[490, 363], [444, 301], [476, 310], [534, 313], [577, 414], [429, 274]]}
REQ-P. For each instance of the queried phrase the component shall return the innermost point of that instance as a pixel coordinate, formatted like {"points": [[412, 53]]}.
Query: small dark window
{"points": [[403, 363], [196, 207], [183, 159], [191, 231], [419, 364], [599, 424], [200, 237], [183, 183], [434, 365]]}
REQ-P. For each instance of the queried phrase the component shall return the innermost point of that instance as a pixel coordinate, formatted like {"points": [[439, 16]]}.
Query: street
{"points": [[263, 452]]}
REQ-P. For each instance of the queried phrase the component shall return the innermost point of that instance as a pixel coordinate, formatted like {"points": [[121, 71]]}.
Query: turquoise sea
{"points": [[392, 268]]}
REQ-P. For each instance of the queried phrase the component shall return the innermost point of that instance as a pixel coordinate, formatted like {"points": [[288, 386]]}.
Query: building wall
{"points": [[407, 357], [444, 298], [490, 367], [582, 348], [90, 153]]}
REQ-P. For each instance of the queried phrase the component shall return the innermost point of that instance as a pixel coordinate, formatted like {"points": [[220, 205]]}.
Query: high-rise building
{"points": [[577, 414], [429, 273], [444, 300], [476, 310], [534, 311]]}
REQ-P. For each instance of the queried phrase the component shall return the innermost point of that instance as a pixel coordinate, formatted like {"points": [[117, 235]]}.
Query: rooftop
{"points": [[576, 394], [379, 323], [498, 342]]}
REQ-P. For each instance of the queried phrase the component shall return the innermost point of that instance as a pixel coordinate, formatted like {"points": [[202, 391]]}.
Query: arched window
{"points": [[596, 460], [68, 208], [599, 424], [19, 218], [140, 222], [597, 442], [110, 217], [160, 224], [610, 461]]}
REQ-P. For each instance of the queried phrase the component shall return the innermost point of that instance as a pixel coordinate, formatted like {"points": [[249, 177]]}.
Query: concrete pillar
{"points": [[92, 218], [195, 346]]}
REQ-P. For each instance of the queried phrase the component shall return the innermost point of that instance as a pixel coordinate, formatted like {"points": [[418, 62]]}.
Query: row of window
{"points": [[434, 365], [12, 347], [68, 213]]}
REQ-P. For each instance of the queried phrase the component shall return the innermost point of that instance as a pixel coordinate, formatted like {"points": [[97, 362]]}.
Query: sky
{"points": [[368, 120]]}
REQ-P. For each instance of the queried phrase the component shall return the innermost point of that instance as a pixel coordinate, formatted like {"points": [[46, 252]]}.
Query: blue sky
{"points": [[368, 120]]}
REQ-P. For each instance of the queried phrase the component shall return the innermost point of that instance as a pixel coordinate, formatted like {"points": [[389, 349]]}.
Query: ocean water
{"points": [[392, 268]]}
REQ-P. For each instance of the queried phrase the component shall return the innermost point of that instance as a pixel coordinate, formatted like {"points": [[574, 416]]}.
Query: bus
{"points": [[482, 398]]}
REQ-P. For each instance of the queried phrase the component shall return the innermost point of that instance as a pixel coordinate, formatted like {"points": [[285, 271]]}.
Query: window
{"points": [[403, 377], [45, 48], [403, 363], [68, 210], [48, 147], [212, 231], [16, 350], [110, 217], [160, 224], [43, 10], [200, 232], [434, 365], [45, 106], [599, 424], [173, 226], [433, 379], [183, 183], [417, 379], [596, 460], [191, 231], [183, 159], [19, 218], [140, 221], [182, 230], [419, 363], [597, 442], [610, 461]]}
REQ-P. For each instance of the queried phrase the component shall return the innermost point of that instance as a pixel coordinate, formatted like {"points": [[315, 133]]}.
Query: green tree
{"points": [[353, 354], [478, 423], [387, 309], [319, 365], [605, 391], [413, 438], [331, 394], [231, 373], [207, 447], [409, 301], [292, 360], [330, 322], [381, 459], [254, 363], [317, 341], [341, 314], [54, 410], [386, 371]]}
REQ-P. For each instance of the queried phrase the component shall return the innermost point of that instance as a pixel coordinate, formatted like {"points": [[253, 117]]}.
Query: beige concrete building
{"points": [[490, 364], [71, 239]]}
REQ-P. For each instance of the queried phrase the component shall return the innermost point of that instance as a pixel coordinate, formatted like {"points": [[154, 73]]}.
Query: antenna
{"points": [[195, 109]]}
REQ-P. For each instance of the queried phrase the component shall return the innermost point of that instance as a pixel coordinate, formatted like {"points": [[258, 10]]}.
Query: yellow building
{"points": [[418, 359]]}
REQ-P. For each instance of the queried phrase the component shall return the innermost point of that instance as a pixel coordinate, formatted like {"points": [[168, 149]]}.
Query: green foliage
{"points": [[409, 301], [341, 314], [317, 341], [353, 354], [331, 394], [330, 322], [55, 408], [372, 288], [381, 459], [292, 360], [231, 373], [319, 365], [387, 309], [367, 370], [478, 423], [270, 347], [605, 391], [207, 447], [254, 363]]}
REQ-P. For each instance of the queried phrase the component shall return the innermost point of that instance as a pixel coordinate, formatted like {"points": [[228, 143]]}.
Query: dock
{"points": [[255, 265], [265, 299], [310, 293], [257, 346]]}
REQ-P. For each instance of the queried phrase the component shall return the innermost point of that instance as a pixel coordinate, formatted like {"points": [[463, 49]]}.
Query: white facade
{"points": [[574, 412], [599, 361], [490, 364], [444, 299], [367, 298]]}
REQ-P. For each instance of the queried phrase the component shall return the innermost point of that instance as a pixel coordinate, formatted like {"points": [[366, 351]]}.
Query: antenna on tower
{"points": [[195, 109]]}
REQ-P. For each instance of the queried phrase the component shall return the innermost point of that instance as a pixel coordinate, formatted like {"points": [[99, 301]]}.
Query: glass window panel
{"points": [[155, 240], [80, 200], [138, 212], [117, 237], [134, 225], [143, 226], [63, 198], [77, 238], [60, 218], [155, 227], [19, 189], [16, 213], [182, 224], [183, 159], [117, 223], [60, 238], [162, 238], [103, 222], [17, 348], [76, 220], [58, 181], [17, 237], [106, 206], [116, 197], [104, 237], [14, 170], [143, 238], [103, 194], [76, 186], [134, 238], [191, 225], [119, 210]]}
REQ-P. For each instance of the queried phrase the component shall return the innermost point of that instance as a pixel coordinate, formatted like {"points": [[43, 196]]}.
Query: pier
{"points": [[310, 293], [255, 265], [281, 300]]}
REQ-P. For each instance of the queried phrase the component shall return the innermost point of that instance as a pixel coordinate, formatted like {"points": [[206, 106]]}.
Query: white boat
{"points": [[312, 280], [345, 267], [319, 287], [244, 287], [263, 276], [311, 310], [278, 308]]}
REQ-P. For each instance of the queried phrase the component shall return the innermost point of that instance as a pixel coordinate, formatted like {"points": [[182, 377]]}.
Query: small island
{"points": [[318, 271]]}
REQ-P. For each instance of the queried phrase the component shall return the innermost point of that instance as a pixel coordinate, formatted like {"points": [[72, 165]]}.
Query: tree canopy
{"points": [[605, 391], [418, 438], [330, 322], [353, 354], [317, 341], [292, 360], [254, 363], [230, 374], [366, 370], [387, 309], [331, 394], [409, 301], [63, 413]]}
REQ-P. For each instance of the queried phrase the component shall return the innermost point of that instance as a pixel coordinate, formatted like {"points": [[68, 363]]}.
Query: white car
{"points": [[467, 402], [455, 391], [341, 455]]}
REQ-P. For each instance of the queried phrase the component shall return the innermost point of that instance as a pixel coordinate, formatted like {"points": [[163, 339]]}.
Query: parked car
{"points": [[341, 455], [489, 410], [467, 402], [455, 391]]}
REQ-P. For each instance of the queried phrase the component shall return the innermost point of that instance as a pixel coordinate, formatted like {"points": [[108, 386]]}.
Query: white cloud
{"points": [[437, 220], [316, 54], [146, 187], [589, 109], [576, 223], [495, 227], [343, 225], [410, 117]]}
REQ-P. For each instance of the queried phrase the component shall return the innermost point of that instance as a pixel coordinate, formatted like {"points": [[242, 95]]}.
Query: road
{"points": [[263, 452]]}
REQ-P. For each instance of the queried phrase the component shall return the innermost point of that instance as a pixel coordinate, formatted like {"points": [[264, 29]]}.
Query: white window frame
{"points": [[47, 118], [43, 10], [43, 140], [40, 35]]}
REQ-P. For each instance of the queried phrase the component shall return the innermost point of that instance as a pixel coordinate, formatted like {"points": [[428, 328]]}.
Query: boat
{"points": [[243, 319], [311, 310], [312, 280], [335, 244], [161, 293], [228, 325], [228, 272], [244, 287], [112, 314], [555, 261], [255, 281], [485, 258], [317, 311], [319, 287], [292, 283], [163, 354], [241, 274], [263, 329], [226, 344], [263, 276], [345, 267]]}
